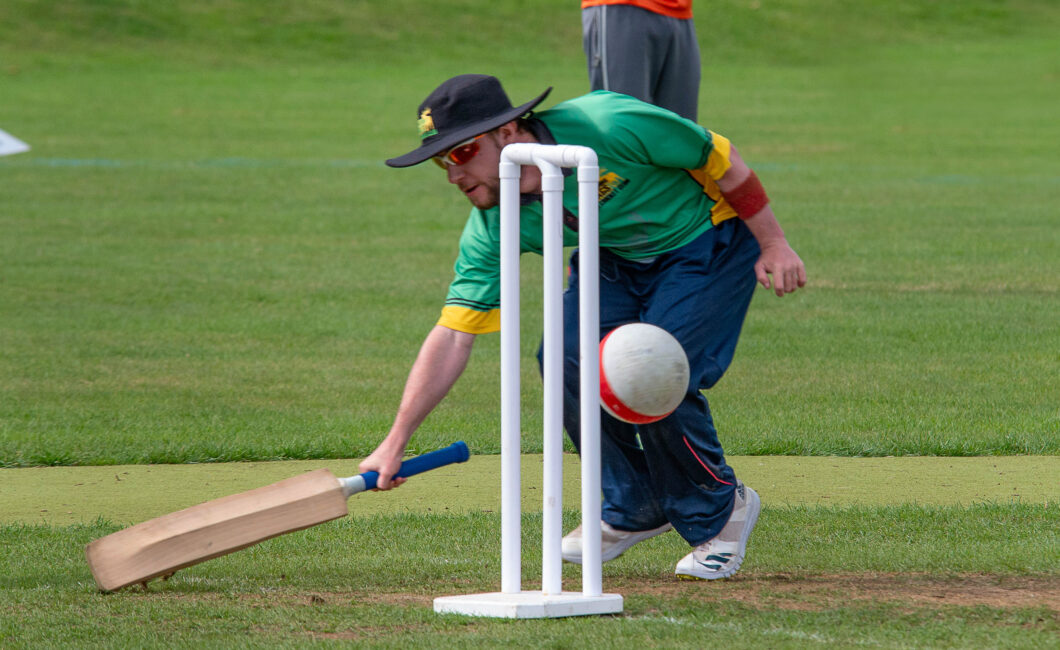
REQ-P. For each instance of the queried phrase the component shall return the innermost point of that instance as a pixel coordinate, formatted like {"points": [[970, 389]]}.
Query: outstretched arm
{"points": [[440, 363], [739, 186]]}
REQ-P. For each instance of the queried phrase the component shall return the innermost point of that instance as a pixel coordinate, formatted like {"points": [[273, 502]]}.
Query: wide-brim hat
{"points": [[459, 109]]}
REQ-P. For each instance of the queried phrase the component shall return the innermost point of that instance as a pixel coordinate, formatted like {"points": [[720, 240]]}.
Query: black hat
{"points": [[461, 108]]}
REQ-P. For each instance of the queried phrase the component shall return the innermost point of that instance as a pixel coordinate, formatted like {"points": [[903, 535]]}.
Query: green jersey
{"points": [[657, 192]]}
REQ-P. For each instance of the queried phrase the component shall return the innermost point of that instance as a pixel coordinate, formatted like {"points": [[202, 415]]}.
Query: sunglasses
{"points": [[459, 154]]}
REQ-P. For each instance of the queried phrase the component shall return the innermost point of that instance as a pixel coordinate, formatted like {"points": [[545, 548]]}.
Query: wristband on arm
{"points": [[748, 198]]}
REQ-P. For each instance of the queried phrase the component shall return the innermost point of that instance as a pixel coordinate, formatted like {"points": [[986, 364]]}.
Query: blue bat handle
{"points": [[454, 453]]}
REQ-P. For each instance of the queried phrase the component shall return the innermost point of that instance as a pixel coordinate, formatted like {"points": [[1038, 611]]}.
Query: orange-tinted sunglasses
{"points": [[459, 154]]}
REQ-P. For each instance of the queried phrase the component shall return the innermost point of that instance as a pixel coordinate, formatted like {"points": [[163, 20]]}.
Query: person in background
{"points": [[646, 49]]}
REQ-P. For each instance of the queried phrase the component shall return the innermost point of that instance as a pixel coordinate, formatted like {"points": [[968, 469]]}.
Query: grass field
{"points": [[204, 259]]}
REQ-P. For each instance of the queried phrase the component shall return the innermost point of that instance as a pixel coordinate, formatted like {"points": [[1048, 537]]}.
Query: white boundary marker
{"points": [[512, 601], [10, 145]]}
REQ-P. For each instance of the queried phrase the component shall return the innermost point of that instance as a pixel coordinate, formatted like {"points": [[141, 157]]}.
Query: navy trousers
{"points": [[672, 470]]}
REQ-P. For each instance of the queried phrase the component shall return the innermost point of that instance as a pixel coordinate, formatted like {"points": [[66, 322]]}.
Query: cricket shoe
{"points": [[723, 555], [613, 542]]}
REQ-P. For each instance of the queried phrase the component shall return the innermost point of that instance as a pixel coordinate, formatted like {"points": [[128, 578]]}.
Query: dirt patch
{"points": [[819, 592], [815, 592]]}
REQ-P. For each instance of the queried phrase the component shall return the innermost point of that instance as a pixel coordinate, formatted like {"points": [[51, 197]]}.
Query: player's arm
{"points": [[440, 362], [743, 191]]}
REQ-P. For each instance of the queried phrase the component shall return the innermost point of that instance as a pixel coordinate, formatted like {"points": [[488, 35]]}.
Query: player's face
{"points": [[477, 176]]}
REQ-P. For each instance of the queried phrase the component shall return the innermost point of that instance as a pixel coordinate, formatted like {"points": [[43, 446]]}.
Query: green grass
{"points": [[204, 259], [339, 579]]}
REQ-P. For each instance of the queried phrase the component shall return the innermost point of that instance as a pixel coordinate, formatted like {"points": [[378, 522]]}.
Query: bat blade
{"points": [[160, 546], [180, 539]]}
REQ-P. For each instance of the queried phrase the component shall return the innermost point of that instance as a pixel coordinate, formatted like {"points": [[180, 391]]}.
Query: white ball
{"points": [[643, 373]]}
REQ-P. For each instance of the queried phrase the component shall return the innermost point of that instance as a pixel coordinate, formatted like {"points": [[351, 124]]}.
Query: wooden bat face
{"points": [[160, 546]]}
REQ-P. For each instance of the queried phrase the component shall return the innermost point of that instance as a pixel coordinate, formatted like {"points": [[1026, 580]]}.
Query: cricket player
{"points": [[685, 231]]}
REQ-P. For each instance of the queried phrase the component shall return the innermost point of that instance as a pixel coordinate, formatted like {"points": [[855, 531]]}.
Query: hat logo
{"points": [[426, 124]]}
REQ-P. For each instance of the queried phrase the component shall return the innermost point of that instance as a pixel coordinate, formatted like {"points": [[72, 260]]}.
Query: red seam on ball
{"points": [[607, 396]]}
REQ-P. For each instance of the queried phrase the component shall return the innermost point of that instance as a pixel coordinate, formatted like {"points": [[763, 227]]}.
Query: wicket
{"points": [[512, 601]]}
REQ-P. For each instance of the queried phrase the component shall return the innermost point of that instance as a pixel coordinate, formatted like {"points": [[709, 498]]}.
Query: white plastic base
{"points": [[529, 604]]}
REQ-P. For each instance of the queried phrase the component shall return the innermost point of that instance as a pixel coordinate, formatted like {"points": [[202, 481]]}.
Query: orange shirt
{"points": [[672, 8]]}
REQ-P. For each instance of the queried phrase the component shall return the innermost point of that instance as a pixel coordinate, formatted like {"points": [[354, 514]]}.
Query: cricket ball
{"points": [[643, 373]]}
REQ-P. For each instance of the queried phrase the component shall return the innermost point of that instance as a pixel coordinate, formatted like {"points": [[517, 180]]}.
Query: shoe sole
{"points": [[754, 506], [623, 546]]}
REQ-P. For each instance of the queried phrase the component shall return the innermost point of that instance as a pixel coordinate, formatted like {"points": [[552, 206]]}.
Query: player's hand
{"points": [[784, 265], [387, 463]]}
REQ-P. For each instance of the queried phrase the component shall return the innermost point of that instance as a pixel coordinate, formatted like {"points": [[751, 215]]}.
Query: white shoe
{"points": [[723, 555], [612, 542]]}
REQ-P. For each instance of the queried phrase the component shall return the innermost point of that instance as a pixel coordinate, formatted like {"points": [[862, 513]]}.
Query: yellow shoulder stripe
{"points": [[718, 163], [720, 158]]}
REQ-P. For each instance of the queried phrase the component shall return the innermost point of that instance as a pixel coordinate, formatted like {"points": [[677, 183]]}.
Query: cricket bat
{"points": [[160, 546]]}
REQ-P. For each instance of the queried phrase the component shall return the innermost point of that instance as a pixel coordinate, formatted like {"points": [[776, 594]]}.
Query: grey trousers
{"points": [[637, 52]]}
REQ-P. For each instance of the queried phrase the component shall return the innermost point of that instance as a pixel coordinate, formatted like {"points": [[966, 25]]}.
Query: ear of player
{"points": [[643, 373]]}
